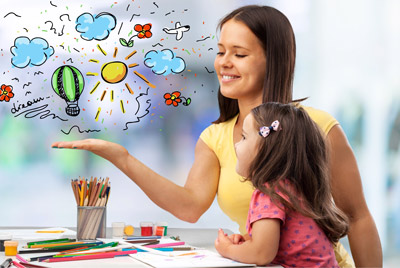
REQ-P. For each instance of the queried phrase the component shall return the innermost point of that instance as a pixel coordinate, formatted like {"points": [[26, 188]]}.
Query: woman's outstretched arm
{"points": [[187, 203], [348, 195]]}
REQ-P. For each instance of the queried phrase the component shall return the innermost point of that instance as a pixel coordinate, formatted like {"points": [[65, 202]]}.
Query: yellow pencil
{"points": [[50, 231]]}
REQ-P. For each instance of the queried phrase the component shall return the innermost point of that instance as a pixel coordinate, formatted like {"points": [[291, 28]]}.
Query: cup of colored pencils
{"points": [[91, 199]]}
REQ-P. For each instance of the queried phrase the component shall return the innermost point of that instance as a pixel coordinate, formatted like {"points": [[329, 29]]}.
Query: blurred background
{"points": [[347, 64]]}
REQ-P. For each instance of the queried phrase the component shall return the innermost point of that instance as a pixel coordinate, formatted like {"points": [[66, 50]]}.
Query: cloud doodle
{"points": [[97, 28], [28, 52], [164, 62]]}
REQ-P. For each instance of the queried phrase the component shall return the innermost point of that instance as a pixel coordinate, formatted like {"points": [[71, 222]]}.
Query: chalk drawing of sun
{"points": [[115, 72]]}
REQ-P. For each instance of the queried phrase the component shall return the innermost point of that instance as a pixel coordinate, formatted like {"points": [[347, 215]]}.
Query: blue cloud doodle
{"points": [[97, 28], [28, 52], [164, 62]]}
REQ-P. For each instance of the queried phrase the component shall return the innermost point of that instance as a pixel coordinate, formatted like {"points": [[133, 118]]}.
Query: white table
{"points": [[203, 238]]}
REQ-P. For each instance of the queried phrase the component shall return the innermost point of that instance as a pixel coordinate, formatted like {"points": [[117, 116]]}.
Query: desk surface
{"points": [[203, 238]]}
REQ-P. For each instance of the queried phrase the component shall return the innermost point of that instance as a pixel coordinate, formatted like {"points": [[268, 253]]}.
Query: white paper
{"points": [[201, 258], [31, 234]]}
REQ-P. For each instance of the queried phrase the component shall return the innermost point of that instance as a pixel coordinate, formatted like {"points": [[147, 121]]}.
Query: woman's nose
{"points": [[225, 61]]}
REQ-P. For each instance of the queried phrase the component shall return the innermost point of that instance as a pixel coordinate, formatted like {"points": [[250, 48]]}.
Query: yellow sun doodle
{"points": [[114, 72]]}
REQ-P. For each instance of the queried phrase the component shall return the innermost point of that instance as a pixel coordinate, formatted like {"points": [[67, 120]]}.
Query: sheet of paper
{"points": [[195, 258], [31, 234]]}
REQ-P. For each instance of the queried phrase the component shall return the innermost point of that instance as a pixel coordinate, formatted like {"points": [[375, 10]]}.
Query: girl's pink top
{"points": [[302, 243]]}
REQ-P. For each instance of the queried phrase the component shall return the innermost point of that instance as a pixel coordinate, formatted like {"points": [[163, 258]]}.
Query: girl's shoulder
{"points": [[323, 119]]}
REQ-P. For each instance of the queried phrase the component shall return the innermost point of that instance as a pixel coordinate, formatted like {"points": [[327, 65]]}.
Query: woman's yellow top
{"points": [[233, 194]]}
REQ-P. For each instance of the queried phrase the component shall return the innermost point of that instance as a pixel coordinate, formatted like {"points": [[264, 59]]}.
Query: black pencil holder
{"points": [[91, 222]]}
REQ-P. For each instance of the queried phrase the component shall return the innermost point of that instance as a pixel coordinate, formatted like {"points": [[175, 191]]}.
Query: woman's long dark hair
{"points": [[276, 35], [296, 154]]}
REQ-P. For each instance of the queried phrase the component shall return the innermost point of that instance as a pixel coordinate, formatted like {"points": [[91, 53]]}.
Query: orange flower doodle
{"points": [[6, 93], [172, 98], [143, 30]]}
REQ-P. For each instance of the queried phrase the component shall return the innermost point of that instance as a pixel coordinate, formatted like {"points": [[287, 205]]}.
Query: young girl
{"points": [[292, 220]]}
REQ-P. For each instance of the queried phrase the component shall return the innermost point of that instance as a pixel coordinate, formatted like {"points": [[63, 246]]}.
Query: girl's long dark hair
{"points": [[276, 35], [296, 154]]}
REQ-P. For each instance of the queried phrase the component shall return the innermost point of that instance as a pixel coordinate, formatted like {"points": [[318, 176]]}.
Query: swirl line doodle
{"points": [[210, 72], [12, 13], [29, 83], [39, 110], [147, 109], [63, 16], [79, 130]]}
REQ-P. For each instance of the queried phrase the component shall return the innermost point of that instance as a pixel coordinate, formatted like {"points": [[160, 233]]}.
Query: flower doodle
{"points": [[6, 93], [143, 31], [175, 98]]}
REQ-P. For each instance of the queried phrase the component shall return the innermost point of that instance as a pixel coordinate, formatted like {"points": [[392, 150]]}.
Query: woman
{"points": [[255, 64]]}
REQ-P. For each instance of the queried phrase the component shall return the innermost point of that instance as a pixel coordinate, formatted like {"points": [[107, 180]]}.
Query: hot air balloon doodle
{"points": [[68, 83]]}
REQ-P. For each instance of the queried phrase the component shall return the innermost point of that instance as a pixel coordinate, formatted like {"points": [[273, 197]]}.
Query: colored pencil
{"points": [[44, 250], [159, 249], [141, 241], [171, 249], [50, 231], [91, 257], [20, 258], [152, 243], [33, 265], [119, 248], [78, 258], [150, 250], [142, 237], [57, 244], [17, 264], [167, 245], [111, 244], [67, 247], [37, 251], [93, 193], [51, 241]]}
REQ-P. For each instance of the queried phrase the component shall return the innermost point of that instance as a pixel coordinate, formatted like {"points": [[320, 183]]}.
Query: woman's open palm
{"points": [[108, 150]]}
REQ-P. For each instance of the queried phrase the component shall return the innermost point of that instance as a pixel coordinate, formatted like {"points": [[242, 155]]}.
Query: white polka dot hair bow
{"points": [[264, 131]]}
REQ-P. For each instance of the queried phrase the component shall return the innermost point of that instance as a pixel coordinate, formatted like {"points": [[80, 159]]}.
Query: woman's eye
{"points": [[240, 55], [220, 53]]}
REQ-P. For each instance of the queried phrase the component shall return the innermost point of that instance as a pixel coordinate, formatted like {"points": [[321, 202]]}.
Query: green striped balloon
{"points": [[68, 83]]}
